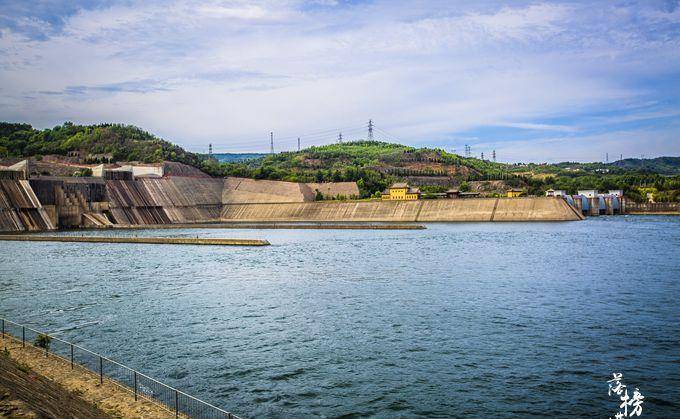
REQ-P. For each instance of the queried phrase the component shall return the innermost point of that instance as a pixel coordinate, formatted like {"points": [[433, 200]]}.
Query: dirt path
{"points": [[25, 394]]}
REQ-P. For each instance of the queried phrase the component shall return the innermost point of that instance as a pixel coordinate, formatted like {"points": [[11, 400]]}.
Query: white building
{"points": [[556, 193], [147, 170], [588, 193]]}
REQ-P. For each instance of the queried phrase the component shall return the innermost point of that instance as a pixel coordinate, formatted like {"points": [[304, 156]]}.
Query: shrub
{"points": [[43, 341]]}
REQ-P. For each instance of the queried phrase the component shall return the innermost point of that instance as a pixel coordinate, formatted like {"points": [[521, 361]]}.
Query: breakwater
{"points": [[483, 209], [140, 240], [282, 226]]}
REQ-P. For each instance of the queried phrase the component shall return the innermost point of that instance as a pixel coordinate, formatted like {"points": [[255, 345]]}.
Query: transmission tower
{"points": [[482, 155], [370, 130], [340, 138], [298, 144], [493, 155], [271, 142], [606, 158], [210, 149]]}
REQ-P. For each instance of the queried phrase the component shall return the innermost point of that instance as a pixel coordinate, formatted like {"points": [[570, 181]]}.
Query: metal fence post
{"points": [[23, 336], [101, 370], [71, 356], [176, 404], [135, 385]]}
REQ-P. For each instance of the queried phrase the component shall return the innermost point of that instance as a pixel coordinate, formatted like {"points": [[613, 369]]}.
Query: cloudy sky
{"points": [[536, 81]]}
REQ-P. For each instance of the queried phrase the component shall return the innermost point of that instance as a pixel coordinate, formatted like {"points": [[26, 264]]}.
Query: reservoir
{"points": [[460, 319]]}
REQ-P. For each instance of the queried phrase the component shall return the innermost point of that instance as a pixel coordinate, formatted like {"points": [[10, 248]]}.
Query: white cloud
{"points": [[224, 71]]}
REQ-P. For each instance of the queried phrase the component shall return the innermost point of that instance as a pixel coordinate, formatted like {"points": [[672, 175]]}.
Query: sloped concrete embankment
{"points": [[242, 190], [491, 209], [164, 201], [20, 208]]}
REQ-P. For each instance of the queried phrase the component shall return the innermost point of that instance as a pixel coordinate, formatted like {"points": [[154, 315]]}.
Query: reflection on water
{"points": [[489, 319]]}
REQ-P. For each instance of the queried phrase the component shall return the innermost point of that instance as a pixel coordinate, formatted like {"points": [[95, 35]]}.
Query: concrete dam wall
{"points": [[484, 209], [240, 190], [164, 201], [48, 203], [20, 208]]}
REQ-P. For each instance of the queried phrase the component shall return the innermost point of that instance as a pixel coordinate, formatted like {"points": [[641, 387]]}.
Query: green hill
{"points": [[661, 165], [123, 142], [372, 164]]}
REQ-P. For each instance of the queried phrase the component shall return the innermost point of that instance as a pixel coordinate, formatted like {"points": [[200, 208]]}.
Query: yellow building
{"points": [[514, 193], [401, 192]]}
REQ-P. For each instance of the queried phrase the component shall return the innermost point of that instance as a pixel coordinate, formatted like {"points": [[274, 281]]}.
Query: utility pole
{"points": [[606, 157], [621, 157], [271, 142], [493, 155], [340, 138], [370, 130], [298, 144]]}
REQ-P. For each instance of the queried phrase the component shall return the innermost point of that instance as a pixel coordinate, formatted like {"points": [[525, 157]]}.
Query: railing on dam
{"points": [[142, 386]]}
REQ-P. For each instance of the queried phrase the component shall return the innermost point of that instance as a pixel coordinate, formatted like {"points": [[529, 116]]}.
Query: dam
{"points": [[444, 210], [49, 203]]}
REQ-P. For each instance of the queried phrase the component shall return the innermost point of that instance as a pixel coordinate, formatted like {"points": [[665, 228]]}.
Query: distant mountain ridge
{"points": [[663, 165], [236, 157]]}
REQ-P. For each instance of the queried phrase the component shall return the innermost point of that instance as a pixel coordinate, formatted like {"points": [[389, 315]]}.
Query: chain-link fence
{"points": [[175, 401]]}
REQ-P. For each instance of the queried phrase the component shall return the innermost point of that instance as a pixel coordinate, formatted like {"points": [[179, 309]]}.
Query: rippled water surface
{"points": [[476, 320]]}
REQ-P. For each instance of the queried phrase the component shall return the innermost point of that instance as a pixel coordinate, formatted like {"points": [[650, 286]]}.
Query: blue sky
{"points": [[535, 81]]}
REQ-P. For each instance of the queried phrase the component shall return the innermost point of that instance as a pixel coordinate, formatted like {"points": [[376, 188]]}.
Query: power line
{"points": [[324, 136]]}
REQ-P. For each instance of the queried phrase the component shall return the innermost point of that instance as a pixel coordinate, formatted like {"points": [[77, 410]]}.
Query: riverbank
{"points": [[48, 386], [139, 240], [26, 394]]}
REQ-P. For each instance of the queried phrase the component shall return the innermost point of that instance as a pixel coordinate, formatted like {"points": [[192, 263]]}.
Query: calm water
{"points": [[476, 320]]}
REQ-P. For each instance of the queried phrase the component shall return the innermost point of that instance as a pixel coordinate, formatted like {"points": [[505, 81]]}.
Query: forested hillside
{"points": [[123, 142], [372, 164]]}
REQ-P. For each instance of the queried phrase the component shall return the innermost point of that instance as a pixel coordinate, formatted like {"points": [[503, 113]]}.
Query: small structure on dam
{"points": [[400, 192], [590, 202]]}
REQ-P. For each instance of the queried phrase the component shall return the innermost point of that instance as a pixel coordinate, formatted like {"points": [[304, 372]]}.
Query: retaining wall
{"points": [[484, 209], [653, 207], [147, 201]]}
